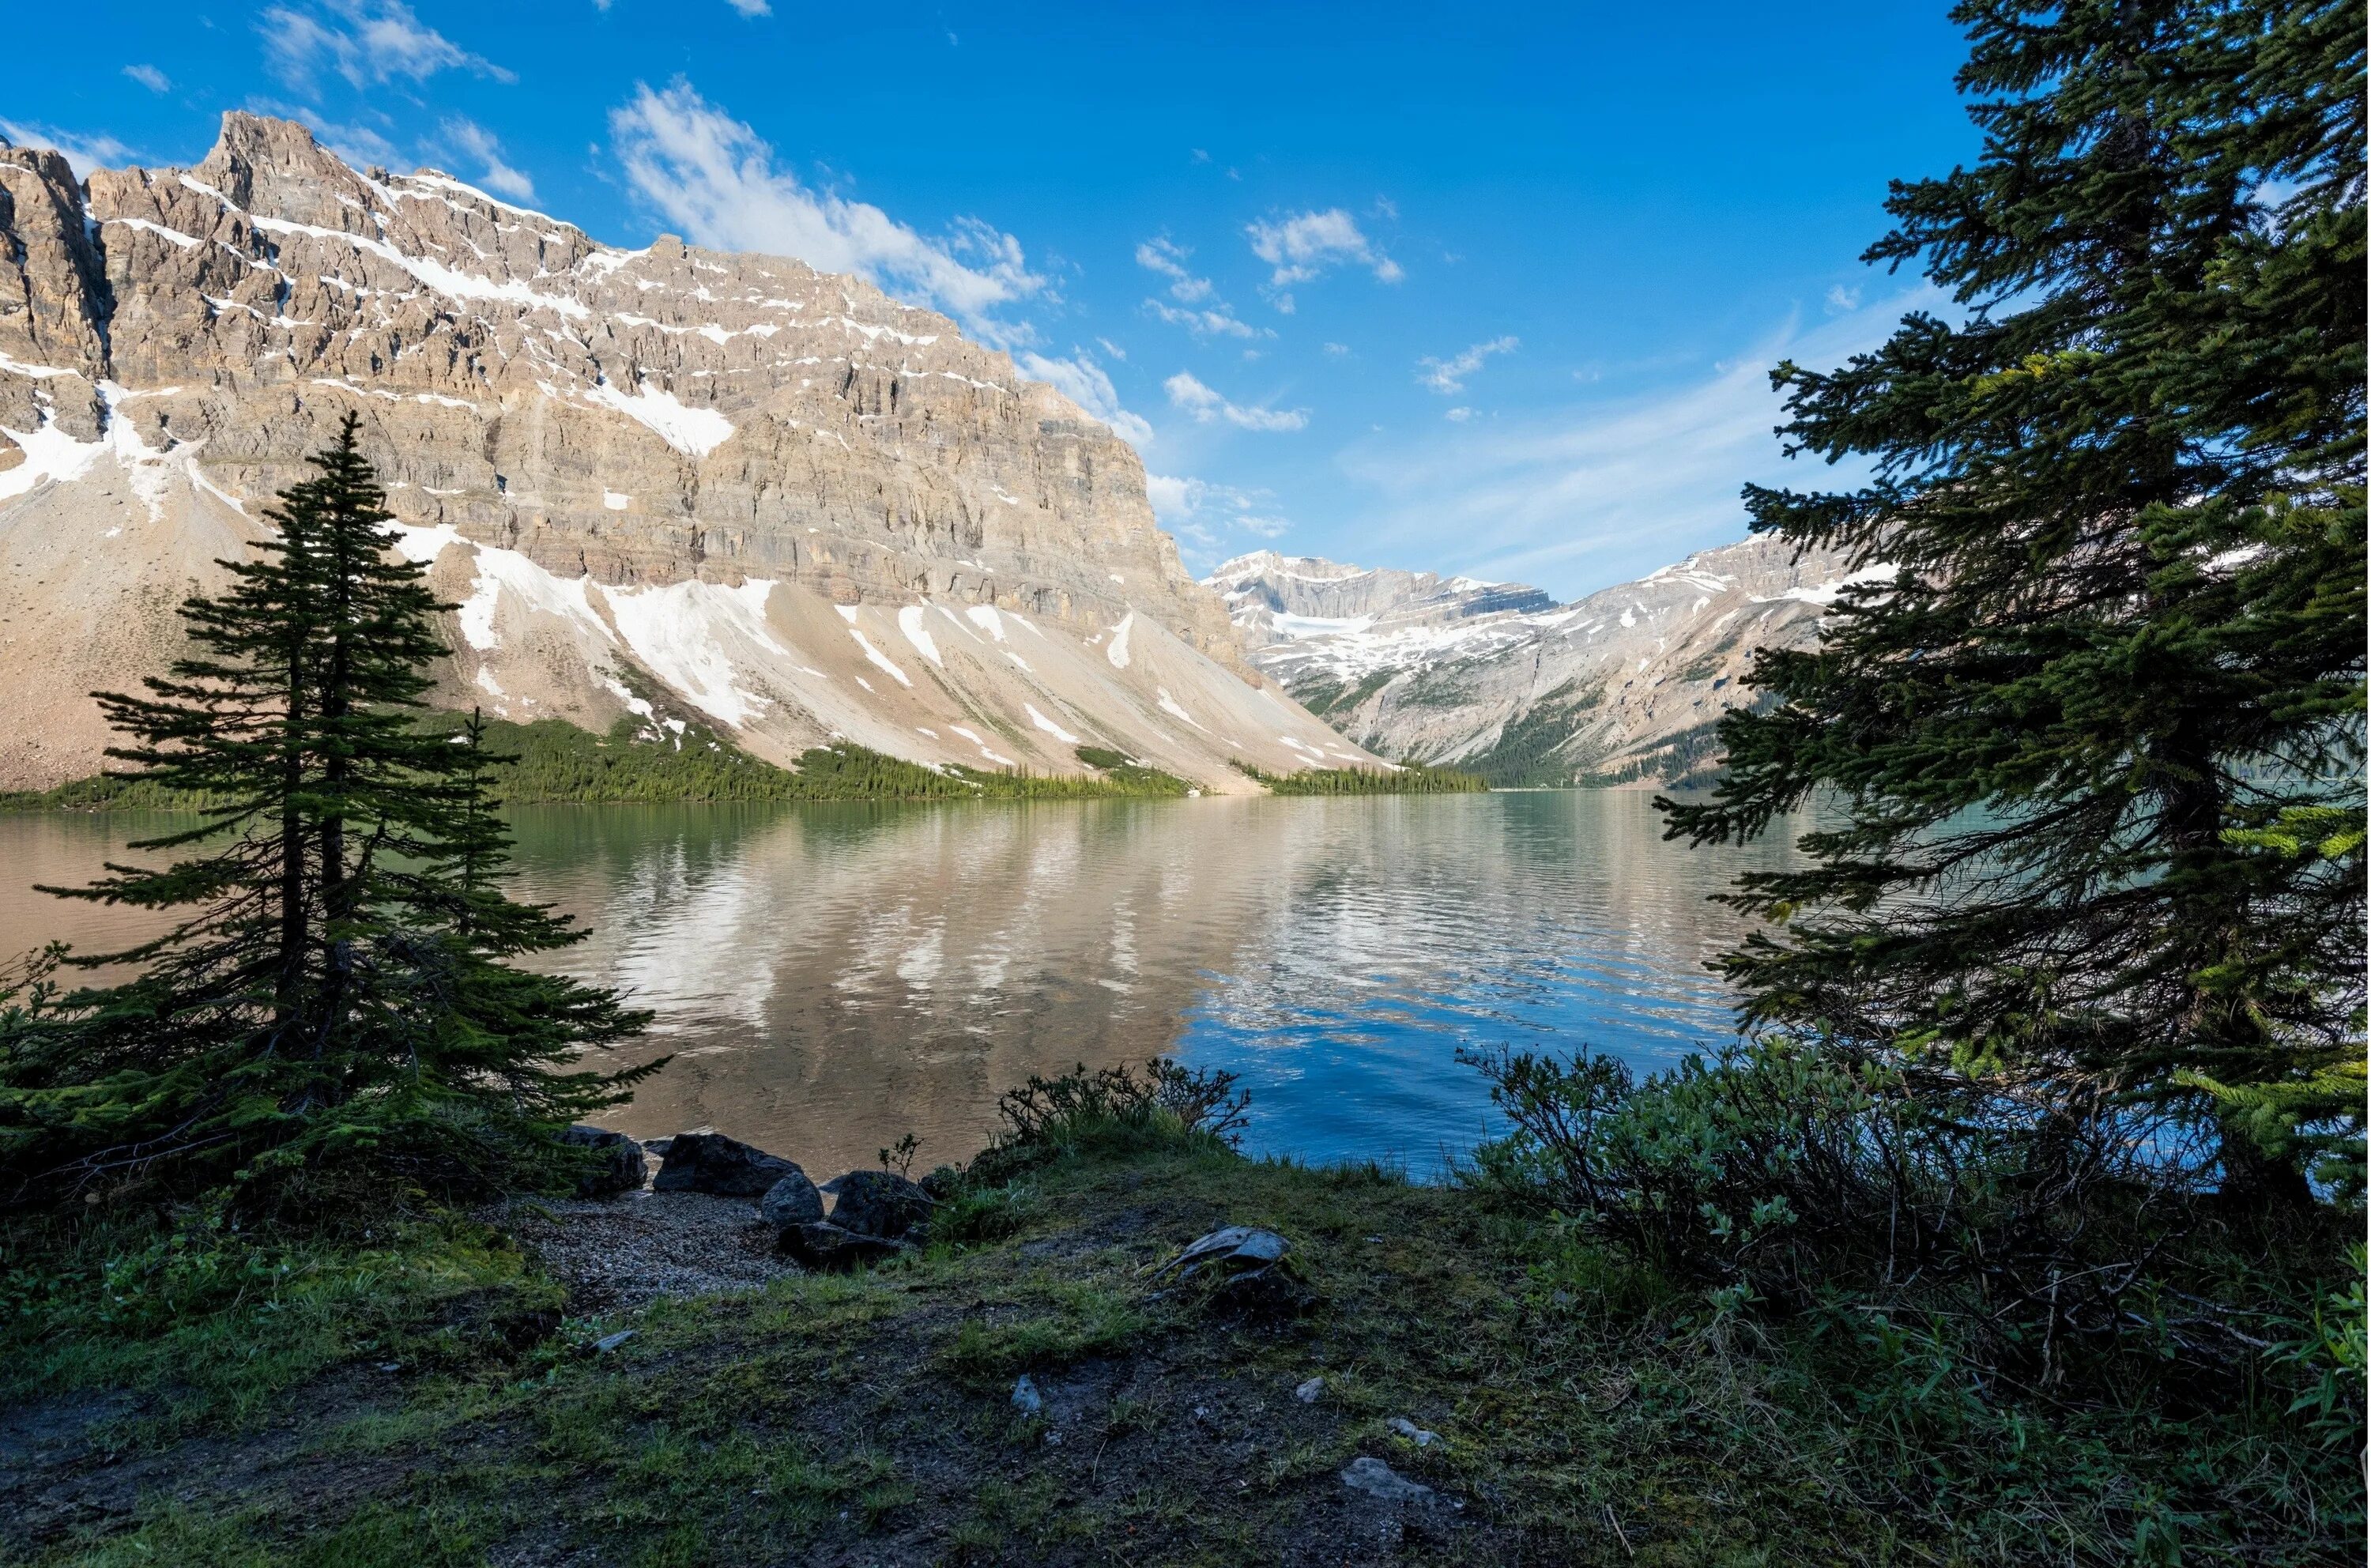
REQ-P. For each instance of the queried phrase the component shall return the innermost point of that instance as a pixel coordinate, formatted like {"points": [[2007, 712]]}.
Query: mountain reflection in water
{"points": [[830, 977]]}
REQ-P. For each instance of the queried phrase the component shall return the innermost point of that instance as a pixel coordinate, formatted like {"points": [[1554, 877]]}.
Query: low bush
{"points": [[1115, 1112], [1970, 1291]]}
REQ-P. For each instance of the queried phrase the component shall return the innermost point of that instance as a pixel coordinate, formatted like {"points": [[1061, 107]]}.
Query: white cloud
{"points": [[150, 77], [1212, 520], [1083, 382], [1841, 299], [1198, 309], [1607, 490], [1168, 259], [1448, 377], [369, 42], [1113, 349], [83, 154], [1458, 416], [1221, 322], [759, 8], [493, 173], [714, 178], [1203, 406], [1337, 350], [1301, 247]]}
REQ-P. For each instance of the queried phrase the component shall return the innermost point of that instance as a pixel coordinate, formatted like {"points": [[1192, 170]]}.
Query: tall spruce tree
{"points": [[2097, 745], [339, 987]]}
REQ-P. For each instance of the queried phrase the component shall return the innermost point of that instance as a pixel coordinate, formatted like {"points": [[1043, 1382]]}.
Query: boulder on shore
{"points": [[823, 1245], [711, 1162], [617, 1165], [879, 1202], [791, 1202]]}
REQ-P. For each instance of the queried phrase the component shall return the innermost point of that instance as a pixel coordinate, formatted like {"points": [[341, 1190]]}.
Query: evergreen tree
{"points": [[340, 985], [2097, 743]]}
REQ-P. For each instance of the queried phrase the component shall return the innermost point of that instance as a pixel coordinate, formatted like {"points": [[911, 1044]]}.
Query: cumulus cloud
{"points": [[1084, 382], [369, 42], [1607, 490], [1448, 377], [1841, 299], [150, 77], [1458, 416], [83, 153], [1302, 246], [713, 177], [1203, 406], [493, 173], [759, 8]]}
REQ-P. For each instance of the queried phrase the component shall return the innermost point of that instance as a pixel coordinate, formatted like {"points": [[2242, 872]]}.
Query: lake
{"points": [[830, 977]]}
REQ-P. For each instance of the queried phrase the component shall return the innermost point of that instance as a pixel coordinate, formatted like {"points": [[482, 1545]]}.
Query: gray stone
{"points": [[1379, 1481], [1307, 1393], [1412, 1432], [609, 1343], [791, 1202], [711, 1162], [1025, 1397], [878, 1202], [824, 1245], [617, 1166]]}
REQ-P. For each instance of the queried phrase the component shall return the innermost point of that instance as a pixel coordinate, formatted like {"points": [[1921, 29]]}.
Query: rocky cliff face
{"points": [[1622, 686], [653, 479]]}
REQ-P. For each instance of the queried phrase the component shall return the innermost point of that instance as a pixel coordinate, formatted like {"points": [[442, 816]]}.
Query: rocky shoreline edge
{"points": [[699, 1212]]}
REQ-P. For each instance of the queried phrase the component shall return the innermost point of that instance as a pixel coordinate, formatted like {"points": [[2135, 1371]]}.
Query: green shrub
{"points": [[1115, 1112]]}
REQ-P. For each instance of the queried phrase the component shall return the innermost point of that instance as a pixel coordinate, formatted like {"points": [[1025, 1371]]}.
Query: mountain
{"points": [[670, 483], [1622, 686]]}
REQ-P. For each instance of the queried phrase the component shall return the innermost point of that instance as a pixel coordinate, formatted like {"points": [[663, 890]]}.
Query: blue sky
{"points": [[1478, 289]]}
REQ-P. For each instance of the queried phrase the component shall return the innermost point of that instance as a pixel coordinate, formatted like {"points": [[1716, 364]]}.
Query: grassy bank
{"points": [[425, 1395]]}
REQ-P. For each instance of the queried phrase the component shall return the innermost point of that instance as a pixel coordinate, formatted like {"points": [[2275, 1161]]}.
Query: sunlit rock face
{"points": [[663, 478], [1623, 687]]}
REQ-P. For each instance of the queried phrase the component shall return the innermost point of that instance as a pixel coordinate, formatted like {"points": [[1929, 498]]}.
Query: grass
{"points": [[1592, 1412]]}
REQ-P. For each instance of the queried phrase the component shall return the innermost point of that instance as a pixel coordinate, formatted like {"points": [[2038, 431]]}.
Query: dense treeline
{"points": [[1408, 778]]}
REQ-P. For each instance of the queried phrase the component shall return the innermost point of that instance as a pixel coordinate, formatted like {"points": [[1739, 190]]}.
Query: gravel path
{"points": [[621, 1253]]}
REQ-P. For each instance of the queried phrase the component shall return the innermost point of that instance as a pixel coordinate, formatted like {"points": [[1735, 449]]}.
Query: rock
{"points": [[617, 1165], [824, 1245], [711, 1162], [1243, 1266], [1238, 1250], [878, 1202], [791, 1202], [609, 1343], [1412, 1432], [1025, 1397], [1379, 1481], [1307, 1393]]}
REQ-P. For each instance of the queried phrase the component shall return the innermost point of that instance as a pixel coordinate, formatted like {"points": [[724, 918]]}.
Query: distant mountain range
{"points": [[1623, 687]]}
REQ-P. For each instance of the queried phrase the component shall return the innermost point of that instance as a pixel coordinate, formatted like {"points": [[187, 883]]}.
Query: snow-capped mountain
{"points": [[666, 478], [1622, 686]]}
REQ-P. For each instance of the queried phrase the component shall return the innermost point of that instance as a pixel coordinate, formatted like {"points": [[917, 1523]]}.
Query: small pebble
{"points": [[1307, 1393], [1025, 1397], [609, 1343], [1412, 1432]]}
